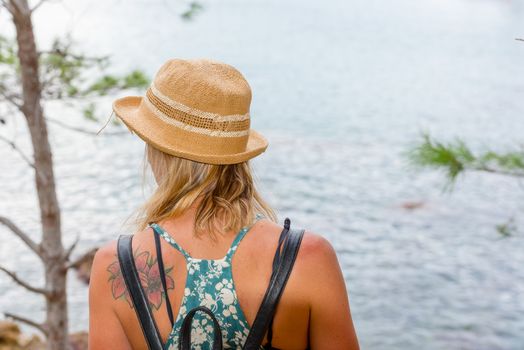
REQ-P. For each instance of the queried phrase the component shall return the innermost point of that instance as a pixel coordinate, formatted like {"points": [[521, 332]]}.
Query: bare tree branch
{"points": [[13, 99], [15, 7], [87, 256], [69, 250], [498, 171], [7, 6], [62, 53], [41, 327], [82, 130], [25, 284], [38, 5], [35, 247], [19, 151]]}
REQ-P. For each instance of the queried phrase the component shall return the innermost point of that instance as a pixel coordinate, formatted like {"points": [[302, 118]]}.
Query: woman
{"points": [[195, 121]]}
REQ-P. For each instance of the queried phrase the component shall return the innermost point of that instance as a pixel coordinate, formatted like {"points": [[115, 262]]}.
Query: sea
{"points": [[342, 90]]}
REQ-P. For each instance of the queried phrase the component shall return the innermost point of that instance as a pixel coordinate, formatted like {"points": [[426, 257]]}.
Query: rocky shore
{"points": [[11, 338]]}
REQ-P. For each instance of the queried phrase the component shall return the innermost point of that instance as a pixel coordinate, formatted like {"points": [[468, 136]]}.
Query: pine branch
{"points": [[41, 327], [456, 158], [497, 171], [24, 284], [35, 247]]}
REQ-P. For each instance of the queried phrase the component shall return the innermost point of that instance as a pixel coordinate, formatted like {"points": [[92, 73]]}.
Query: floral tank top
{"points": [[209, 283]]}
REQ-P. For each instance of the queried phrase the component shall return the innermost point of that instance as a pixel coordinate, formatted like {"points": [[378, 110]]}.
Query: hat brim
{"points": [[153, 131]]}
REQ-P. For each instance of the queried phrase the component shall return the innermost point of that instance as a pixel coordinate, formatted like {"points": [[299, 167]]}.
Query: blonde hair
{"points": [[229, 197]]}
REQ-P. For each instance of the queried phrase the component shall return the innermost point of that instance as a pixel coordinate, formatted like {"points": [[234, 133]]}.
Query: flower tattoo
{"points": [[149, 274]]}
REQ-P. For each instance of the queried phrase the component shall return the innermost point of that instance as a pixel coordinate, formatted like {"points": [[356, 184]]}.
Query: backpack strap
{"points": [[140, 302], [185, 331], [277, 283], [276, 261], [282, 266], [161, 269]]}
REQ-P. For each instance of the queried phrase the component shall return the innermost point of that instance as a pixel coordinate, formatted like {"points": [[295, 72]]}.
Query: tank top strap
{"points": [[243, 231], [159, 231]]}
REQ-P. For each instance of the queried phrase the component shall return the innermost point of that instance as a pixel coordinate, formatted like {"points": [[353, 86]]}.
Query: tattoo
{"points": [[149, 274]]}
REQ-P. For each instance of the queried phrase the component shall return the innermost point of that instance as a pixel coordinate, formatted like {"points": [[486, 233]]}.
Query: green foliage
{"points": [[510, 161], [456, 157], [61, 70], [194, 9], [89, 112], [108, 83], [451, 158], [103, 85], [7, 52], [135, 79], [508, 228], [66, 75]]}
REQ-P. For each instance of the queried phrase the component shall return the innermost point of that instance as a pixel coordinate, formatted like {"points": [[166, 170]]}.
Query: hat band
{"points": [[186, 126], [194, 111]]}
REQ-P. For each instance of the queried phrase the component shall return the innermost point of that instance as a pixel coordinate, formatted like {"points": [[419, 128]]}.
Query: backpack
{"points": [[282, 266]]}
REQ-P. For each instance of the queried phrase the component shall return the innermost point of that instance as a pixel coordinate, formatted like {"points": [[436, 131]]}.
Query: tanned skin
{"points": [[314, 307]]}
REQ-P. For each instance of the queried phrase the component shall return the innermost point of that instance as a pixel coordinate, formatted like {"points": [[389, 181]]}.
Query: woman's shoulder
{"points": [[316, 253], [105, 262], [315, 257], [314, 246], [108, 250]]}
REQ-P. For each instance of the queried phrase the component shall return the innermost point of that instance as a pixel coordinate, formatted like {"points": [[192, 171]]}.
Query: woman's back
{"points": [[195, 119], [313, 309]]}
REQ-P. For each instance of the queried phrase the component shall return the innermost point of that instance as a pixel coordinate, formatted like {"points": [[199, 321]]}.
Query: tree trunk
{"points": [[53, 254]]}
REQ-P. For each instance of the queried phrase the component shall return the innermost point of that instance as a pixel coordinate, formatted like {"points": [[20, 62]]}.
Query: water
{"points": [[341, 89]]}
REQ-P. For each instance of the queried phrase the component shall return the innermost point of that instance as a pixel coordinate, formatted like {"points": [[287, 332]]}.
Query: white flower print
{"points": [[182, 310], [227, 296], [209, 302], [224, 263], [198, 336], [210, 283]]}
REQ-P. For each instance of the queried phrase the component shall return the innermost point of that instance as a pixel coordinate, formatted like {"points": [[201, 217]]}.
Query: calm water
{"points": [[341, 90]]}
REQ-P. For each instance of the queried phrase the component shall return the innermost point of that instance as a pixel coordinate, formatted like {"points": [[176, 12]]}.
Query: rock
{"points": [[413, 205], [32, 343], [78, 340], [12, 339], [83, 265], [9, 335]]}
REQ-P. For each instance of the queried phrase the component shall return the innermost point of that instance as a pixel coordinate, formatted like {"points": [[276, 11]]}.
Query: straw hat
{"points": [[196, 109]]}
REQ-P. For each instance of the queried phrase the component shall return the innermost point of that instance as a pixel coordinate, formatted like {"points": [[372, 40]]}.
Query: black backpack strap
{"points": [[162, 272], [276, 262], [185, 331], [275, 289], [140, 302]]}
